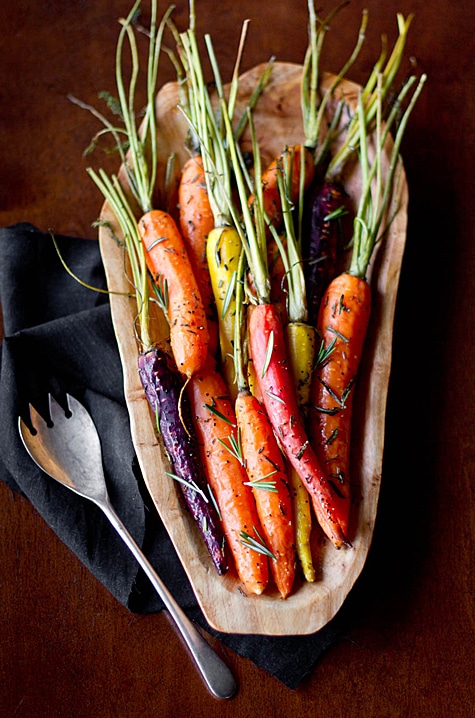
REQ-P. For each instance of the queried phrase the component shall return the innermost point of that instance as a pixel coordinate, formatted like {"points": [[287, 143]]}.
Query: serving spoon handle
{"points": [[215, 673]]}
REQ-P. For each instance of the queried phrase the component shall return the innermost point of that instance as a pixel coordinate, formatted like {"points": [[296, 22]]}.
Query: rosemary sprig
{"points": [[189, 484], [324, 353], [263, 484], [212, 408], [234, 446], [256, 544], [268, 355]]}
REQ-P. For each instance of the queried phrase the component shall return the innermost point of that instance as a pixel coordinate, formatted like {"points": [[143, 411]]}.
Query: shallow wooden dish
{"points": [[225, 606]]}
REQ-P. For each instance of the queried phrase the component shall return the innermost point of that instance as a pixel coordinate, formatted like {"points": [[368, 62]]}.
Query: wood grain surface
{"points": [[67, 648]]}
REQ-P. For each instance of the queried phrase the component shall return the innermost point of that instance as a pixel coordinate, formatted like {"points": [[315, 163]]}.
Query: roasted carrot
{"points": [[269, 354], [170, 265], [222, 245], [264, 464], [195, 215], [342, 324], [300, 341], [165, 252], [196, 221], [304, 158], [266, 471], [322, 243], [215, 425], [345, 306], [301, 350]]}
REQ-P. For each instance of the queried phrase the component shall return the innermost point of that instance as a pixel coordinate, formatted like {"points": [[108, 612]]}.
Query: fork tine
{"points": [[58, 410], [35, 418]]}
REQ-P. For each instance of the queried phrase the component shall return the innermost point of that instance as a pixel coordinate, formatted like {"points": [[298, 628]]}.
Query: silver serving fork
{"points": [[70, 452]]}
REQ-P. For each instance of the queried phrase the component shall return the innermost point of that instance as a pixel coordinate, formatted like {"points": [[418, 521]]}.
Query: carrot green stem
{"points": [[239, 350], [112, 191], [141, 173], [264, 79], [312, 111], [376, 194], [373, 93], [253, 237], [291, 258]]}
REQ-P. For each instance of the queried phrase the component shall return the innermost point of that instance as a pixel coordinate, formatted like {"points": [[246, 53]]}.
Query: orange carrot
{"points": [[342, 325], [170, 266], [272, 205], [345, 307], [263, 459], [215, 425], [196, 221], [265, 469]]}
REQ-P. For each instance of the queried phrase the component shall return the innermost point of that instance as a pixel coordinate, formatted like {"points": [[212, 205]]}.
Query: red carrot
{"points": [[270, 360], [269, 355]]}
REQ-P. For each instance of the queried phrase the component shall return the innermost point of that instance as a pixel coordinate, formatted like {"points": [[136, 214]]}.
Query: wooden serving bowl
{"points": [[278, 123]]}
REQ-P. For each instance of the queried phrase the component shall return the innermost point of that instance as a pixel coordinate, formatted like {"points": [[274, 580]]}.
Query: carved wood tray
{"points": [[278, 122]]}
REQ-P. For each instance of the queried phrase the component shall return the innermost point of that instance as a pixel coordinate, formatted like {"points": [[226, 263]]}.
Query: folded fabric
{"points": [[59, 338]]}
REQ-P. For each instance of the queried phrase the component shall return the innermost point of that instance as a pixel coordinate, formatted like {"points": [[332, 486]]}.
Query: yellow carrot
{"points": [[301, 348], [222, 251]]}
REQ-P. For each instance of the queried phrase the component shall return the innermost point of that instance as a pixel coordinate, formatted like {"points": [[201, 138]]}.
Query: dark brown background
{"points": [[66, 647]]}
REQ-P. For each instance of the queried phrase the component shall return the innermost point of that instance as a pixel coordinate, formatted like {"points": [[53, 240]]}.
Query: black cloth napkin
{"points": [[59, 338]]}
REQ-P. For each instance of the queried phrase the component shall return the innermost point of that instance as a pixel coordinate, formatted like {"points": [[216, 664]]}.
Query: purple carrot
{"points": [[163, 385], [320, 250]]}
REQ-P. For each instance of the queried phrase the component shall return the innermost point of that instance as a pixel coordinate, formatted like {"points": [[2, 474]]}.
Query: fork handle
{"points": [[216, 674]]}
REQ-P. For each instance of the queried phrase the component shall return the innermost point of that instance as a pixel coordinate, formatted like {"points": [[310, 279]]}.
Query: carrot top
{"points": [[377, 88], [313, 110], [137, 150], [376, 191]]}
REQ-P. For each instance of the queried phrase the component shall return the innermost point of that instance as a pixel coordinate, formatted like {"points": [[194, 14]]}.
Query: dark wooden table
{"points": [[67, 648]]}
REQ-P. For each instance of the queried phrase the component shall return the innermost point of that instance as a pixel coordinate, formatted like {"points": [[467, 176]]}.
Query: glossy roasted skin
{"points": [[342, 324], [196, 221], [301, 341], [321, 244], [223, 250], [279, 398], [292, 156], [168, 262]]}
